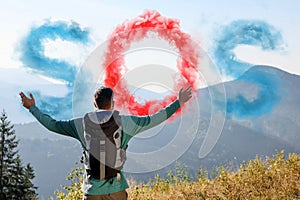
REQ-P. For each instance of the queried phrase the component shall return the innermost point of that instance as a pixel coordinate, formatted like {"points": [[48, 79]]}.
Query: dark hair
{"points": [[103, 97]]}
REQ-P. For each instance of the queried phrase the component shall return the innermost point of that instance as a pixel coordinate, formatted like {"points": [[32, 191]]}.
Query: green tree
{"points": [[15, 179]]}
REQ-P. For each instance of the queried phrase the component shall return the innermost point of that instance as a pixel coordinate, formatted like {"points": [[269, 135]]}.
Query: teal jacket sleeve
{"points": [[68, 127], [133, 125]]}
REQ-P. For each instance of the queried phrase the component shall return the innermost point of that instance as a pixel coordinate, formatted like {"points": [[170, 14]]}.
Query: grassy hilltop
{"points": [[276, 177]]}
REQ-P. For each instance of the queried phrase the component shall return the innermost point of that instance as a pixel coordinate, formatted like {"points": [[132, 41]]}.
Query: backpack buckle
{"points": [[118, 177]]}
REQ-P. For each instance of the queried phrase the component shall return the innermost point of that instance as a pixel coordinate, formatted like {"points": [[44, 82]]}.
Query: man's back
{"points": [[131, 125]]}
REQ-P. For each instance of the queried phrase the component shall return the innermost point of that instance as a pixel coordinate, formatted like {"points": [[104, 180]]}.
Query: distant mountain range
{"points": [[242, 138]]}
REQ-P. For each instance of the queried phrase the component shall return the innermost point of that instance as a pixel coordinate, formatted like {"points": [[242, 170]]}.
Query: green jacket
{"points": [[131, 125]]}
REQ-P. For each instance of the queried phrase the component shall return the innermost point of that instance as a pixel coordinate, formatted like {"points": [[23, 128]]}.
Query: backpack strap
{"points": [[102, 156]]}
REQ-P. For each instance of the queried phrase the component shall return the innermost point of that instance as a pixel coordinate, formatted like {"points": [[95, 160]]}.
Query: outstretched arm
{"points": [[133, 125], [67, 127]]}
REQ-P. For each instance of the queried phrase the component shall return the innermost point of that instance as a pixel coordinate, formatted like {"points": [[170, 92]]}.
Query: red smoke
{"points": [[133, 31]]}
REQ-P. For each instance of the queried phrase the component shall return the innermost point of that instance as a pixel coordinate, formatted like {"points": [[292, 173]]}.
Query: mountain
{"points": [[244, 135], [262, 117], [34, 130], [51, 160], [283, 120]]}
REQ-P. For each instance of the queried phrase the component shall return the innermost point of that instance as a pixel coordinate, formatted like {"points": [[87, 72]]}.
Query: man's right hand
{"points": [[184, 95], [27, 102]]}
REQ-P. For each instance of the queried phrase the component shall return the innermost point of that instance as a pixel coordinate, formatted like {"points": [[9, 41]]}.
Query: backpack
{"points": [[103, 156]]}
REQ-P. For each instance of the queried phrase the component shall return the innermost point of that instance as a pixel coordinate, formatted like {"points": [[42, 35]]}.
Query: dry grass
{"points": [[272, 178]]}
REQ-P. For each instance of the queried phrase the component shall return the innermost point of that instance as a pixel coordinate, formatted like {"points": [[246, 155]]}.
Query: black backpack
{"points": [[103, 156]]}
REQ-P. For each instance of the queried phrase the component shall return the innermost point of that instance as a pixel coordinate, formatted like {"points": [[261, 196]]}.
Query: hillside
{"points": [[275, 177]]}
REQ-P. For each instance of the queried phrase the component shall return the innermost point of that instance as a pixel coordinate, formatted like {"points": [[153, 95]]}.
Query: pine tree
{"points": [[15, 179]]}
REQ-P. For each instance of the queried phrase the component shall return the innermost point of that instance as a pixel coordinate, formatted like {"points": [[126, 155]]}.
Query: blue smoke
{"points": [[243, 32], [33, 57], [32, 49], [57, 107], [267, 95], [256, 33]]}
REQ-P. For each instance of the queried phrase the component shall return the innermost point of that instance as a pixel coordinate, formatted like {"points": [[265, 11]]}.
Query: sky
{"points": [[203, 20]]}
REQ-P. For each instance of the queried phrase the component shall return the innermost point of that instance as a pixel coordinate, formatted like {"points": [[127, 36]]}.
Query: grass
{"points": [[276, 177], [271, 178]]}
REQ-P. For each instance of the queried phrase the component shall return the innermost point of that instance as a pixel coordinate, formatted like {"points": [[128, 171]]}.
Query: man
{"points": [[114, 187]]}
